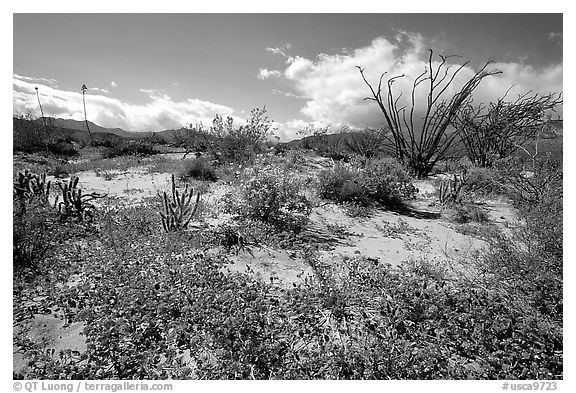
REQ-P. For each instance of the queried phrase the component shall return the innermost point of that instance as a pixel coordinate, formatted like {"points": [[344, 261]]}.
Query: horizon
{"points": [[152, 72]]}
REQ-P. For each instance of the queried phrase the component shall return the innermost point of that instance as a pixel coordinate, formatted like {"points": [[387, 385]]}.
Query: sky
{"points": [[150, 72]]}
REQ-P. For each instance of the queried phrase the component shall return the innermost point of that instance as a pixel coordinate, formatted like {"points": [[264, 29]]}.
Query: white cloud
{"points": [[286, 93], [264, 74], [280, 50], [335, 92], [48, 81], [100, 90], [113, 84], [159, 113], [296, 128]]}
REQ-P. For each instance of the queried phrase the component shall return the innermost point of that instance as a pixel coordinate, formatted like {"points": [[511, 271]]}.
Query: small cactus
{"points": [[450, 190], [29, 185], [74, 203], [178, 210]]}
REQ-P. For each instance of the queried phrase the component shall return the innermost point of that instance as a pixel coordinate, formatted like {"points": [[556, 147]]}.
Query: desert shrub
{"points": [[198, 168], [383, 181], [270, 195], [529, 183], [483, 182], [533, 261], [34, 232], [60, 171], [62, 147], [130, 148], [342, 184], [504, 127], [294, 158], [31, 135], [239, 144], [463, 214], [241, 234], [539, 197], [98, 142], [28, 135], [367, 143]]}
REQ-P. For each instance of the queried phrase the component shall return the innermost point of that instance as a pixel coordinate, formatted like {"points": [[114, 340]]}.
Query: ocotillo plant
{"points": [[74, 204], [178, 210]]}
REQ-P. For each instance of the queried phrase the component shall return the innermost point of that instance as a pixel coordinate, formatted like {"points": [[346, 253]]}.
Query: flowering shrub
{"points": [[198, 168], [239, 144], [383, 181], [271, 196]]}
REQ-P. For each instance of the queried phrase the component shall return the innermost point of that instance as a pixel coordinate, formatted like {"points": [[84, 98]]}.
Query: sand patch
{"points": [[49, 332]]}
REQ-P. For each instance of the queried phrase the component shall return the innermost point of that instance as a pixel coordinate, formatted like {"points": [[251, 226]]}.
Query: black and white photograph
{"points": [[287, 196]]}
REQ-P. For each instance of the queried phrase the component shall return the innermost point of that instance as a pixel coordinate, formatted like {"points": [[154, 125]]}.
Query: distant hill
{"points": [[79, 125]]}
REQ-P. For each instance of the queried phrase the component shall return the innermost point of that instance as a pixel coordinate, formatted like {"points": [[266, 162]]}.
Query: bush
{"points": [[130, 148], [383, 181], [198, 168], [62, 147], [483, 182], [240, 144], [294, 158], [367, 143], [33, 232], [539, 197], [529, 185], [271, 196], [465, 214], [28, 135], [60, 171]]}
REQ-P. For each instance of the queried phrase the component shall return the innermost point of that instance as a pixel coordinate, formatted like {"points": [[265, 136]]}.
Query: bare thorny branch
{"points": [[421, 146], [505, 126]]}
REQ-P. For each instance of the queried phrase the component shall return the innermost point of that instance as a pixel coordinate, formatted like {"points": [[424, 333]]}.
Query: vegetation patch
{"points": [[378, 181], [198, 168]]}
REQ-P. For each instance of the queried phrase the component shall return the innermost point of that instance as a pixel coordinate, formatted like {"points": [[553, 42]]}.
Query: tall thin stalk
{"points": [[84, 88], [43, 138], [41, 110]]}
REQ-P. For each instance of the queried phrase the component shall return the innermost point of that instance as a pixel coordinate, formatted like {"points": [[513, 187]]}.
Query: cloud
{"points": [[298, 128], [555, 36], [334, 90], [286, 93], [280, 50], [113, 84], [264, 74], [159, 113], [99, 90], [48, 81]]}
